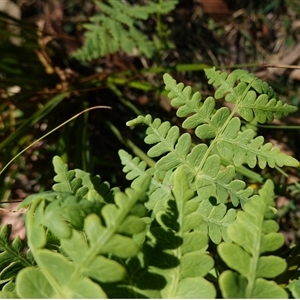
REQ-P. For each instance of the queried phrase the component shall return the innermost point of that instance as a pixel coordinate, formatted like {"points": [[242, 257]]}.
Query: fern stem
{"points": [[255, 257]]}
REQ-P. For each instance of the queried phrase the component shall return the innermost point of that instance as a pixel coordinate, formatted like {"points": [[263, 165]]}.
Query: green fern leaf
{"points": [[58, 211], [96, 189], [67, 210], [225, 83], [211, 179], [182, 97], [8, 295], [103, 236], [133, 167], [216, 220], [253, 234], [66, 180], [116, 29], [242, 148], [260, 86], [166, 139], [12, 259], [197, 113], [160, 186], [263, 107], [160, 190], [175, 236], [33, 283]]}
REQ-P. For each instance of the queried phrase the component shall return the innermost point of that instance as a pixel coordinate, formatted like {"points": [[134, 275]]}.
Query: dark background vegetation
{"points": [[37, 67]]}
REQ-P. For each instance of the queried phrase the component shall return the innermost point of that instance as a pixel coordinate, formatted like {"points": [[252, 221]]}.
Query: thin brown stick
{"points": [[280, 66]]}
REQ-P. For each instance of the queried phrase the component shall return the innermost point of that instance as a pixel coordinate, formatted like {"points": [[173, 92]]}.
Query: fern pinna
{"points": [[186, 228], [254, 234], [115, 29]]}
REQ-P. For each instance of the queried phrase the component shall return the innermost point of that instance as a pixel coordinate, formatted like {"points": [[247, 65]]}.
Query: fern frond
{"points": [[254, 234], [80, 183], [263, 109], [108, 235], [160, 190], [182, 97], [160, 185], [97, 190], [133, 167], [242, 148], [241, 88], [66, 180], [12, 259], [189, 105], [174, 259], [225, 84], [166, 139], [175, 250], [232, 144], [60, 210], [211, 178], [115, 29]]}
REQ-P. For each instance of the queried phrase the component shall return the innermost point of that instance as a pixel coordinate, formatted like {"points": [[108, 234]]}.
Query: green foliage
{"points": [[86, 238], [12, 258], [186, 227], [116, 28], [254, 234], [173, 235]]}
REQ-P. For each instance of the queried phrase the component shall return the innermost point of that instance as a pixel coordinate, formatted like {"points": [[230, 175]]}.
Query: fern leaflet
{"points": [[66, 180], [216, 219], [263, 107], [180, 251], [159, 189], [242, 148], [12, 260], [253, 234]]}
